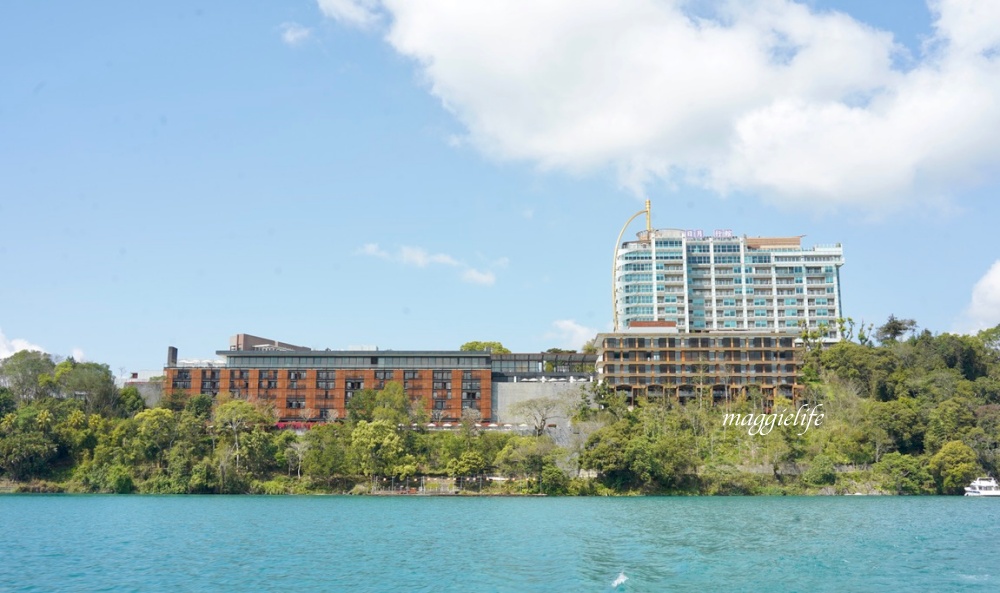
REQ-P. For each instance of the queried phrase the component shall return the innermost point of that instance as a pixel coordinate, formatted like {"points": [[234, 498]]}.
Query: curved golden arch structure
{"points": [[614, 263]]}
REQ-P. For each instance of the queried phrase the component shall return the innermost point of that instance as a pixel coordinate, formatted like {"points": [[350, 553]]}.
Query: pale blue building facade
{"points": [[698, 281]]}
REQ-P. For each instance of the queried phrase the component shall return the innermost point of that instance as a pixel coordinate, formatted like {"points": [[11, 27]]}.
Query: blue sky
{"points": [[414, 175]]}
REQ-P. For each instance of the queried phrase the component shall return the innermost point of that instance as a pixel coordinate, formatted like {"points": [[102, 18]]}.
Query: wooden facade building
{"points": [[712, 364]]}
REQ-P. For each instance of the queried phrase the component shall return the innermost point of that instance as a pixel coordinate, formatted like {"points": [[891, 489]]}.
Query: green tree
{"points": [[28, 374], [260, 451], [377, 447], [662, 461], [867, 368], [476, 346], [903, 474], [119, 480], [75, 435], [130, 401], [25, 455], [554, 481], [328, 451], [985, 439], [190, 451], [199, 405], [175, 399], [361, 406], [949, 421], [236, 417], [821, 472], [203, 478], [93, 383], [607, 452], [894, 328], [390, 404], [954, 467], [529, 456], [470, 463], [991, 338], [966, 354], [652, 450], [114, 464], [8, 403], [156, 432], [901, 420]]}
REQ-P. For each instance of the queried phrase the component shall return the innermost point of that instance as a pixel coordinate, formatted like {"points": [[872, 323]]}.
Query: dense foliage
{"points": [[917, 415]]}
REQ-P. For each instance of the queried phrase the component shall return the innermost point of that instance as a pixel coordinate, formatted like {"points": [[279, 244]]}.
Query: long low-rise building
{"points": [[651, 359], [314, 385], [683, 366]]}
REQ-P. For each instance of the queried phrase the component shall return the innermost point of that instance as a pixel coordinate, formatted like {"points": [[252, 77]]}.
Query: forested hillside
{"points": [[904, 412]]}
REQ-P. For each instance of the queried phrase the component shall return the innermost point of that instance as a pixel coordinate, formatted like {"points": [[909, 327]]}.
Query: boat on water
{"points": [[983, 487]]}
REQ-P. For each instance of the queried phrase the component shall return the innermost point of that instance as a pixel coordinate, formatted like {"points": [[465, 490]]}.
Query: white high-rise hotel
{"points": [[697, 281]]}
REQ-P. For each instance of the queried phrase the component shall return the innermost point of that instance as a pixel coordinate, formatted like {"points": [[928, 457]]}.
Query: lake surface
{"points": [[579, 545]]}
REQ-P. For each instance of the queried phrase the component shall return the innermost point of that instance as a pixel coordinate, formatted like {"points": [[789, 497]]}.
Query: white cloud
{"points": [[972, 26], [360, 13], [10, 346], [474, 276], [569, 334], [771, 97], [421, 258], [984, 308], [374, 250], [295, 34], [77, 355]]}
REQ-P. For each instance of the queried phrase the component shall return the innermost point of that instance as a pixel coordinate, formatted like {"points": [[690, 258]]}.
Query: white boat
{"points": [[983, 487]]}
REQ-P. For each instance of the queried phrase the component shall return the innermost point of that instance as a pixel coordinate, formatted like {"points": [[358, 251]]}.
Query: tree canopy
{"points": [[475, 346], [894, 328]]}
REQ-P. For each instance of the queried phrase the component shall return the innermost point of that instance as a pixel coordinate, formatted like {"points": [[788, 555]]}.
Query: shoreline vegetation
{"points": [[905, 412]]}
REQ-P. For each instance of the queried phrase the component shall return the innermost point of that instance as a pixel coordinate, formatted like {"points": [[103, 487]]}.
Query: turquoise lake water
{"points": [[579, 545]]}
